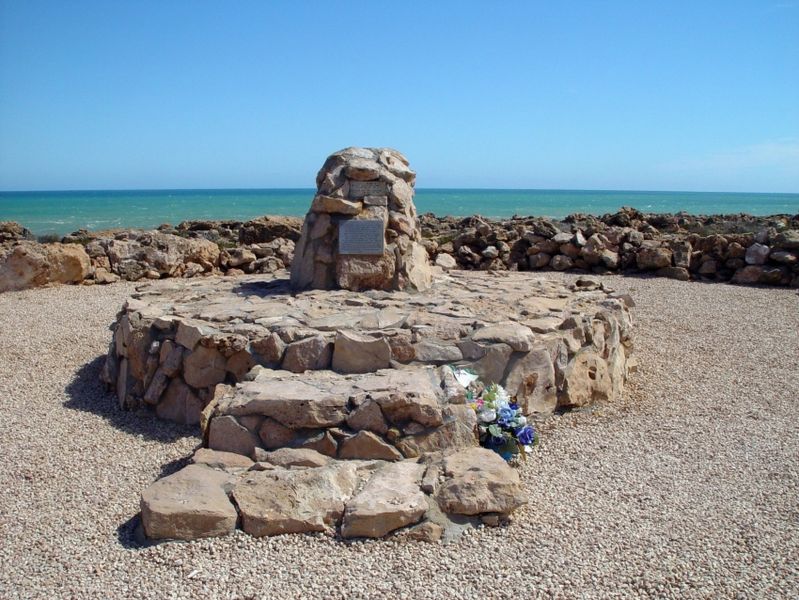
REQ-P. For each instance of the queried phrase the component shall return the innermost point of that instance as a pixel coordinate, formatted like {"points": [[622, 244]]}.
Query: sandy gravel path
{"points": [[687, 489]]}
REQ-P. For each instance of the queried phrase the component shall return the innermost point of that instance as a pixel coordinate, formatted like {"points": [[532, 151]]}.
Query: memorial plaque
{"points": [[359, 189], [363, 236]]}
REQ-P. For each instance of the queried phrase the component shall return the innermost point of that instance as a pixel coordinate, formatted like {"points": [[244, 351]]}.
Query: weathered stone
{"points": [[291, 457], [531, 379], [294, 402], [367, 445], [560, 262], [28, 264], [784, 257], [390, 500], [271, 348], [757, 254], [457, 431], [748, 275], [678, 273], [217, 459], [355, 353], [478, 481], [368, 417], [446, 261], [180, 404], [650, 258], [586, 380], [228, 435], [515, 335], [492, 365], [311, 353], [295, 501], [326, 204], [274, 434], [431, 352], [204, 367], [189, 504]]}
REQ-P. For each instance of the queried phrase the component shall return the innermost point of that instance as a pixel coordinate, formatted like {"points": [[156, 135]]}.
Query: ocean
{"points": [[63, 212]]}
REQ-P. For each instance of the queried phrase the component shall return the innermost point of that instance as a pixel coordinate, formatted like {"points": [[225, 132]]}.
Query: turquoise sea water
{"points": [[64, 212]]}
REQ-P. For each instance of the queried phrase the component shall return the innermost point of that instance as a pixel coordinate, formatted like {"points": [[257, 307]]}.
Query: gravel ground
{"points": [[687, 489]]}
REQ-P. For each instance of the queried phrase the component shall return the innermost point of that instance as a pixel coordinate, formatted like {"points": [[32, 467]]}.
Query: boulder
{"points": [[189, 504], [390, 500], [28, 264], [650, 258], [476, 481], [757, 254]]}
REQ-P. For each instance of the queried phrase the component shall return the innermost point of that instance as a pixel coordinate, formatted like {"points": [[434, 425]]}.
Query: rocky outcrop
{"points": [[11, 231], [361, 230]]}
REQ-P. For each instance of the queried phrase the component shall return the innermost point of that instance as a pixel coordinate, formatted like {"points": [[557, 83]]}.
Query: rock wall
{"points": [[550, 345], [355, 185], [625, 242], [739, 249]]}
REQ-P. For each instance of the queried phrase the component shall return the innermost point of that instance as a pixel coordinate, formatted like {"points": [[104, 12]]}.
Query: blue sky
{"points": [[588, 95]]}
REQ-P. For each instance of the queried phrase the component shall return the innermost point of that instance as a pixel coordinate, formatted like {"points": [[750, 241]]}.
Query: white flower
{"points": [[521, 421], [487, 415]]}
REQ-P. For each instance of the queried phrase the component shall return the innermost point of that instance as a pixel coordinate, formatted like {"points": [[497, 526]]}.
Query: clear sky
{"points": [[588, 95]]}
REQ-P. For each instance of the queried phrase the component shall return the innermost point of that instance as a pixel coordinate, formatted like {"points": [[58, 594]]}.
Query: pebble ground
{"points": [[689, 488]]}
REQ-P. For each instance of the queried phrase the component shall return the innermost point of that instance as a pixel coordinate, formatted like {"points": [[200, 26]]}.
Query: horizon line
{"points": [[513, 189]]}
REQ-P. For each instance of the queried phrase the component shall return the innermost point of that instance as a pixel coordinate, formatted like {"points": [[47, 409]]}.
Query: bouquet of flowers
{"points": [[502, 426]]}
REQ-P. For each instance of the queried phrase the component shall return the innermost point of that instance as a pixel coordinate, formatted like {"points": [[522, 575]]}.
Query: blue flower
{"points": [[506, 415], [525, 435], [513, 406]]}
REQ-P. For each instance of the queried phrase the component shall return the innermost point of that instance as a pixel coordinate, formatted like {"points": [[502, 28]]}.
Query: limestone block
{"points": [[204, 367], [295, 501], [355, 353], [180, 404], [367, 445], [390, 500], [228, 435], [478, 481], [189, 504], [311, 353]]}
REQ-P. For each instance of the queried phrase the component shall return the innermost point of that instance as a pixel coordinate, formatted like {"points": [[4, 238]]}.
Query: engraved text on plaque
{"points": [[359, 189], [361, 237]]}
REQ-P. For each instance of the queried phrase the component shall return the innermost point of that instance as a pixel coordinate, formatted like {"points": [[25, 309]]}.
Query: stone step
{"points": [[430, 498], [387, 415]]}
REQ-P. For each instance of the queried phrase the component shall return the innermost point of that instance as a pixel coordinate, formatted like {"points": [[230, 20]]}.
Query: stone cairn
{"points": [[361, 231], [327, 402]]}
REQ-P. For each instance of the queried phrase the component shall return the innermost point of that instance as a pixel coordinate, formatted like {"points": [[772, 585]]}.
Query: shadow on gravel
{"points": [[87, 393]]}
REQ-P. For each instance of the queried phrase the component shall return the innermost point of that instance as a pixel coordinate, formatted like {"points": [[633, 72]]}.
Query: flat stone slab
{"points": [[348, 498]]}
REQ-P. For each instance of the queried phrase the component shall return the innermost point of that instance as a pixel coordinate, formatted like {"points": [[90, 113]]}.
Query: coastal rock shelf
{"points": [[552, 346]]}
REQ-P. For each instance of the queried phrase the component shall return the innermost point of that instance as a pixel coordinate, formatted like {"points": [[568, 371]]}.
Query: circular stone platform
{"points": [[336, 410], [553, 346]]}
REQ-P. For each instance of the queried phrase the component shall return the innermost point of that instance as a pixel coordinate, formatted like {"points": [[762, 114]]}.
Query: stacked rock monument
{"points": [[327, 401], [361, 232]]}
